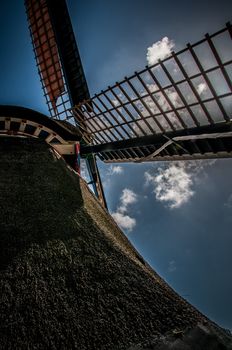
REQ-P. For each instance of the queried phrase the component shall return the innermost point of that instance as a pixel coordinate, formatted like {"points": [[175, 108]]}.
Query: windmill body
{"points": [[69, 276]]}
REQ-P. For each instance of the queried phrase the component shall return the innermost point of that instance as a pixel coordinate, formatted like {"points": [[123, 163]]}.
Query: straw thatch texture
{"points": [[68, 277]]}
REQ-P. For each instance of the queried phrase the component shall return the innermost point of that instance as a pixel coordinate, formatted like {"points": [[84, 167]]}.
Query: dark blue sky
{"points": [[190, 246]]}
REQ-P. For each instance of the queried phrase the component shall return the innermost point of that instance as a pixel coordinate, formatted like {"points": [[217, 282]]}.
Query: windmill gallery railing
{"points": [[179, 108]]}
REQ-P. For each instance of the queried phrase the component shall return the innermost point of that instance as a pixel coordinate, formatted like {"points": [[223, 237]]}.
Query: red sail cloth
{"points": [[45, 49]]}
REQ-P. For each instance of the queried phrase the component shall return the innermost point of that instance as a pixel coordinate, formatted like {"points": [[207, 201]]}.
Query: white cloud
{"points": [[152, 87], [165, 106], [172, 266], [201, 88], [121, 216], [128, 197], [174, 97], [173, 183], [115, 102], [112, 170], [124, 221], [115, 169], [159, 50], [228, 203]]}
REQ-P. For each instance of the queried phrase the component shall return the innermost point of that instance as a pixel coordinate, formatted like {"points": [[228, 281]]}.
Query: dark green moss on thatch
{"points": [[68, 277]]}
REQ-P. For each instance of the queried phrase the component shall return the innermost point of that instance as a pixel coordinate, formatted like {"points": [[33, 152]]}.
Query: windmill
{"points": [[177, 109], [69, 277]]}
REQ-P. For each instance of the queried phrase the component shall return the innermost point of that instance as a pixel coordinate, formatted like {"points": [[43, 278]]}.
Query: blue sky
{"points": [[188, 239]]}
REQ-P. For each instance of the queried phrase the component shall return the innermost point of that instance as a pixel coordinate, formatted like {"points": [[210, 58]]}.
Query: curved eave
{"points": [[41, 119]]}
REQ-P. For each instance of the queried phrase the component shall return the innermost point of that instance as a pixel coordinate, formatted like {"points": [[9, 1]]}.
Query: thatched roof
{"points": [[69, 278]]}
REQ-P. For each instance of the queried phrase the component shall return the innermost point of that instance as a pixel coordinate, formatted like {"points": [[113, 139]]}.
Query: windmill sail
{"points": [[57, 56], [46, 50], [179, 108], [60, 67]]}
